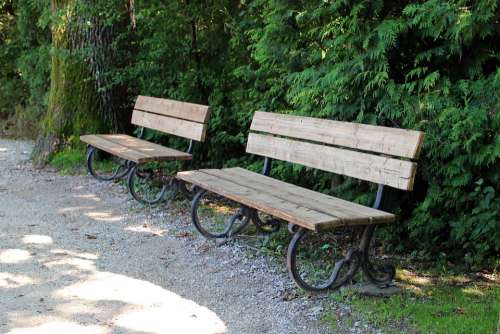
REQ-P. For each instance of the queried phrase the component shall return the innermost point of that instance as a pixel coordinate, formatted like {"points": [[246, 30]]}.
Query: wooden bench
{"points": [[130, 154], [373, 153]]}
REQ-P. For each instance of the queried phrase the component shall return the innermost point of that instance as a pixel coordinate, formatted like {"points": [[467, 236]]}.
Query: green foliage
{"points": [[430, 65], [24, 62], [187, 56]]}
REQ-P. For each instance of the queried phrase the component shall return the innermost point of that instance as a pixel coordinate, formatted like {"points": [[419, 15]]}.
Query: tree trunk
{"points": [[74, 102]]}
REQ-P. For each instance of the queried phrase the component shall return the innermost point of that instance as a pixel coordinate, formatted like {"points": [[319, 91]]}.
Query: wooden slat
{"points": [[271, 197], [153, 151], [134, 149], [175, 126], [115, 149], [389, 171], [345, 213], [386, 140], [348, 213], [187, 111], [262, 201]]}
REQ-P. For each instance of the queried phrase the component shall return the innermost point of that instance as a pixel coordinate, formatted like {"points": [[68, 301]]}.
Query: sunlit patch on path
{"points": [[14, 255], [78, 298], [146, 307]]}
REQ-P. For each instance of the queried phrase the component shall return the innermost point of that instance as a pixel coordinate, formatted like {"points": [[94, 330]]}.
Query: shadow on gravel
{"points": [[47, 286]]}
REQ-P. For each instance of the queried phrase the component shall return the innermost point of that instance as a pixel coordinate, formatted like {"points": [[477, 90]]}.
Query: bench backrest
{"points": [[337, 147], [182, 119]]}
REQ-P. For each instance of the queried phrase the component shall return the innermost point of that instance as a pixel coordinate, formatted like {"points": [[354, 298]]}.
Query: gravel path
{"points": [[79, 256]]}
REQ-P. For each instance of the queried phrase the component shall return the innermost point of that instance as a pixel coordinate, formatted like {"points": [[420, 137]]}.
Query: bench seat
{"points": [[309, 209], [134, 149]]}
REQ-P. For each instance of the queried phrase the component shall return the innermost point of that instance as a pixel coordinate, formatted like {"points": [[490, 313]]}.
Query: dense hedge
{"points": [[24, 60], [428, 65]]}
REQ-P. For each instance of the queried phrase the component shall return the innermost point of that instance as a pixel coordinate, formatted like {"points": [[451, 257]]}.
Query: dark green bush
{"points": [[432, 66], [24, 61]]}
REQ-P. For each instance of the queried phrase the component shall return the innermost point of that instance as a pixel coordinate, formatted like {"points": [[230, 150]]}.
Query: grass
{"points": [[431, 304], [73, 161], [69, 161]]}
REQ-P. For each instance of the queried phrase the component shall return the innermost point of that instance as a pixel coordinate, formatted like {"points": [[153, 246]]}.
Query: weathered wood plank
{"points": [[389, 171], [264, 202], [345, 213], [175, 126], [115, 149], [134, 149], [154, 152], [380, 139], [348, 213], [304, 213], [184, 110]]}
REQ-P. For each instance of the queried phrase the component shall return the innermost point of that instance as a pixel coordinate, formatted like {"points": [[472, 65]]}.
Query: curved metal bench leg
{"points": [[120, 171], [243, 214], [381, 276], [336, 279], [135, 174]]}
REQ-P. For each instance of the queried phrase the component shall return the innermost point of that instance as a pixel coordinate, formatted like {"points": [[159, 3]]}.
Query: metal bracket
{"points": [[380, 195], [141, 133], [266, 170], [191, 147], [292, 228]]}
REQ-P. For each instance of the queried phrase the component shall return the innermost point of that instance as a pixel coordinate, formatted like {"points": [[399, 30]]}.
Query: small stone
{"points": [[315, 312]]}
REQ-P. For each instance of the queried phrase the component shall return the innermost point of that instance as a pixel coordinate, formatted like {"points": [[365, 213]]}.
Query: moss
{"points": [[72, 106], [73, 99]]}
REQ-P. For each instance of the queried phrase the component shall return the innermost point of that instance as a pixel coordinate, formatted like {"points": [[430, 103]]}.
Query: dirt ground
{"points": [[79, 256]]}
